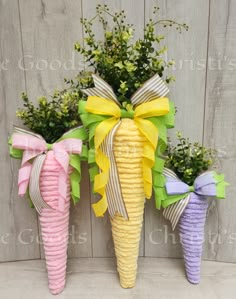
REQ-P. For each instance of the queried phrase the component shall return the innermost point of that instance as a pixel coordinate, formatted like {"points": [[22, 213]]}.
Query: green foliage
{"points": [[82, 81], [189, 160], [51, 118], [123, 63], [120, 61]]}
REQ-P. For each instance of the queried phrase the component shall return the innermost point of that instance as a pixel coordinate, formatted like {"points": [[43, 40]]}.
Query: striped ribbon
{"points": [[152, 89], [34, 188], [173, 212], [20, 130], [102, 89], [113, 189]]}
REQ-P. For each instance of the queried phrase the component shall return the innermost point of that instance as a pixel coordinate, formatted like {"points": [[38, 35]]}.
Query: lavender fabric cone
{"points": [[191, 229], [186, 208]]}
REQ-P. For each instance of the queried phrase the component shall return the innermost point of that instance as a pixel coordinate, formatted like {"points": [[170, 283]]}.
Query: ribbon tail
{"points": [[100, 207], [75, 177], [23, 178], [158, 182], [113, 188], [150, 133], [173, 212], [34, 184], [101, 179]]}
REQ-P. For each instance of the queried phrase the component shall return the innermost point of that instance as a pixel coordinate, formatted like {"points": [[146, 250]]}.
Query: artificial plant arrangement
{"points": [[50, 171], [127, 114], [186, 184]]}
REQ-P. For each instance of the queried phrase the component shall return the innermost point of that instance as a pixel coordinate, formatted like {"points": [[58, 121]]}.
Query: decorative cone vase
{"points": [[54, 225], [128, 151], [191, 228], [51, 175], [124, 158]]}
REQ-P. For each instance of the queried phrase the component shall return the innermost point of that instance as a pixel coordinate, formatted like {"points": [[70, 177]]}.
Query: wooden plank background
{"points": [[36, 53]]}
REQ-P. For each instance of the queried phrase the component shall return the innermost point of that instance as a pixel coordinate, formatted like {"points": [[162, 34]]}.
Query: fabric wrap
{"points": [[186, 207], [191, 230], [51, 174], [54, 224]]}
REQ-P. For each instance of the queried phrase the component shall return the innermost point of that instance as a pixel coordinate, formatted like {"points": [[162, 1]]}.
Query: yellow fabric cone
{"points": [[128, 150]]}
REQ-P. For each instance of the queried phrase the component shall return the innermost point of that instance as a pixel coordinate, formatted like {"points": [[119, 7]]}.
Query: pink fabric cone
{"points": [[54, 225], [191, 228]]}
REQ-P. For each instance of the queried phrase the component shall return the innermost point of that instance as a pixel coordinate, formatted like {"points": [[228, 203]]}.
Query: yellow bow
{"points": [[101, 106]]}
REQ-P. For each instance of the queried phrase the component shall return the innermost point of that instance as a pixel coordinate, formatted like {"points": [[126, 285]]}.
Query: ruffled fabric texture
{"points": [[191, 228], [54, 224]]}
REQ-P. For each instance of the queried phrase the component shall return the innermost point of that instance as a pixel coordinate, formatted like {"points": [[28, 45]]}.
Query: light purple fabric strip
{"points": [[205, 184], [175, 186]]}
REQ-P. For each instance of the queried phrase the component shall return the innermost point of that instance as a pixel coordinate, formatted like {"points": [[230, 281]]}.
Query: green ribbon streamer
{"points": [[220, 186], [162, 123], [75, 160]]}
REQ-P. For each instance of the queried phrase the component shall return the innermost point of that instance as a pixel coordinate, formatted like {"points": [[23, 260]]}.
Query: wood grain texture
{"points": [[189, 50], [220, 126], [97, 278], [80, 240], [36, 53], [49, 31], [18, 224]]}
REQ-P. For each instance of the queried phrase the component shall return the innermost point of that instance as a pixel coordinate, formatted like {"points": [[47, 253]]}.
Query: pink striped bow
{"points": [[34, 146]]}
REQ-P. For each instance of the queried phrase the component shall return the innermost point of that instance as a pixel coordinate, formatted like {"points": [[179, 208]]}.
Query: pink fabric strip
{"points": [[54, 223]]}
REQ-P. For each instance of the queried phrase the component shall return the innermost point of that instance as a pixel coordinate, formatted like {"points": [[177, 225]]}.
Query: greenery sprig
{"points": [[188, 160], [122, 62], [51, 118]]}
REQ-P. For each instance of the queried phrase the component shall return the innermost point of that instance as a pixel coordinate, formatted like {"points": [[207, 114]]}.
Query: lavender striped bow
{"points": [[178, 193], [204, 185]]}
